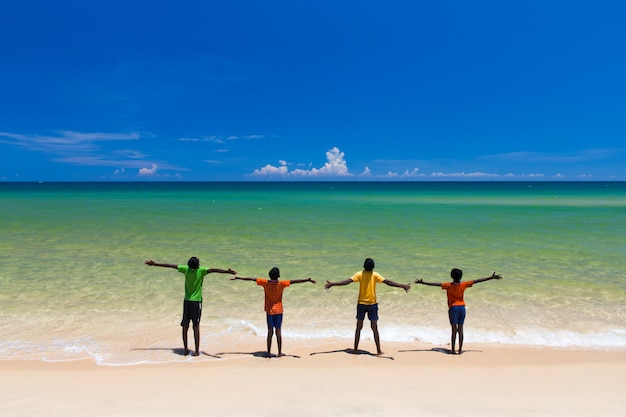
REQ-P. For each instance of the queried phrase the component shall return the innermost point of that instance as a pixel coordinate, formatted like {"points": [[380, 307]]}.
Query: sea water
{"points": [[73, 284]]}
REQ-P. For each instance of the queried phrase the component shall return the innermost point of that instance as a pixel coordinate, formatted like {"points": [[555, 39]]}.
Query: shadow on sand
{"points": [[179, 351], [439, 350], [353, 352], [258, 354]]}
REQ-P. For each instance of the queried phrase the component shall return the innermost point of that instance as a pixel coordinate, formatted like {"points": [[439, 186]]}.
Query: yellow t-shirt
{"points": [[367, 289]]}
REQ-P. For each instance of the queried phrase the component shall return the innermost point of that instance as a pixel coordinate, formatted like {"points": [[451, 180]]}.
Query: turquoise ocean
{"points": [[73, 284]]}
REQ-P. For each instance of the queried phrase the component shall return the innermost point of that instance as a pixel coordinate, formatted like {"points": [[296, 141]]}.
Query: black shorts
{"points": [[192, 311]]}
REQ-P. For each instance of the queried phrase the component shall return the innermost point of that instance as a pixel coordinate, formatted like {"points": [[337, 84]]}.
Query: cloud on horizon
{"points": [[149, 171], [336, 166]]}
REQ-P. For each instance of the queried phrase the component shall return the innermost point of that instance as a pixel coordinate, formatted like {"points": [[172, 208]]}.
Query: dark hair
{"points": [[456, 274], [368, 265], [274, 273], [193, 263]]}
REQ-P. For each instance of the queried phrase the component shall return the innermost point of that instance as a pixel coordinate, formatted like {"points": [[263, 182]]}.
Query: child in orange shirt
{"points": [[274, 304], [456, 304]]}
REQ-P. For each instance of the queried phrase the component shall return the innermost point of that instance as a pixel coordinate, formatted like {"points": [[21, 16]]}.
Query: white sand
{"points": [[410, 380]]}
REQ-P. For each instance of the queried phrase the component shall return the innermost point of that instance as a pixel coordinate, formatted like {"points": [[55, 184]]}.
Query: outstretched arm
{"points": [[334, 284], [221, 271], [150, 262], [493, 276], [243, 279], [432, 284], [298, 281], [405, 287]]}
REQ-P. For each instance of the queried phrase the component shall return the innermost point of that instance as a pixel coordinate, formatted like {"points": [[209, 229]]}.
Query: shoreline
{"points": [[409, 379]]}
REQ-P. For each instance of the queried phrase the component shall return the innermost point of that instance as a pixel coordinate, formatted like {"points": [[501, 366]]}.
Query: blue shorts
{"points": [[274, 321], [457, 314], [371, 310]]}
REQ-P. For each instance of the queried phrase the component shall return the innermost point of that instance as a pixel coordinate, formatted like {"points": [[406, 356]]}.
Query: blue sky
{"points": [[312, 90]]}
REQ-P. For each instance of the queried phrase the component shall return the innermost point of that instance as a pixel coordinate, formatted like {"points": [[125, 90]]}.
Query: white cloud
{"points": [[562, 157], [272, 170], [234, 137], [97, 136], [148, 171], [464, 175], [219, 139], [90, 149], [214, 139], [335, 166], [64, 141], [81, 148], [411, 174], [131, 154]]}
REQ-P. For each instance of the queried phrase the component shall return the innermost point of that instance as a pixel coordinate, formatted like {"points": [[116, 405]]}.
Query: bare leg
{"points": [[270, 334], [460, 339], [279, 341], [374, 324], [357, 335], [454, 329], [196, 338], [185, 346]]}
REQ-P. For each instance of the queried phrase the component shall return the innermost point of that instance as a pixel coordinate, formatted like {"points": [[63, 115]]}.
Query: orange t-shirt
{"points": [[455, 292], [273, 294]]}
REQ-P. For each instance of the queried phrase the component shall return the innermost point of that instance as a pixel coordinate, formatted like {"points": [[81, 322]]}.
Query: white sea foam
{"points": [[537, 337], [230, 338]]}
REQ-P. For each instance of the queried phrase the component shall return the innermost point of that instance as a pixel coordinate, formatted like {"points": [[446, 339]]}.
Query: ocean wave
{"points": [[532, 337], [123, 353]]}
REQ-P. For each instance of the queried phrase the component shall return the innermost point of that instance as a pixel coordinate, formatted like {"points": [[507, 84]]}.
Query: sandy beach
{"points": [[325, 380]]}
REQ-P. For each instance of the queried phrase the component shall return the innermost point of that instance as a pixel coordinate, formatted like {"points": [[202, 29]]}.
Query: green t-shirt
{"points": [[193, 281]]}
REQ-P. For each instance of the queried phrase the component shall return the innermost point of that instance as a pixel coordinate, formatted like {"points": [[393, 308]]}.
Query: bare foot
{"points": [[196, 353], [280, 355], [185, 352]]}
